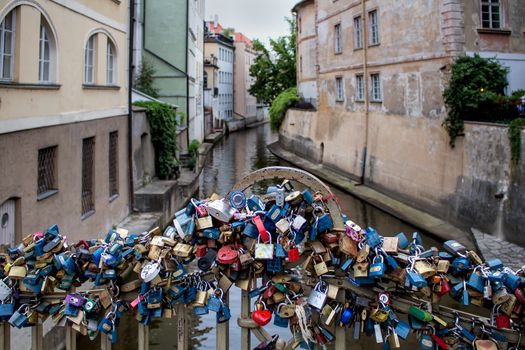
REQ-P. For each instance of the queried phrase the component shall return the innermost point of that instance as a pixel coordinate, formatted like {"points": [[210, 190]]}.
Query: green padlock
{"points": [[90, 305], [420, 314]]}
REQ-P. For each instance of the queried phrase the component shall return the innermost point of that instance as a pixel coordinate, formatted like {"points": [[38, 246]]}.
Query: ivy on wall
{"points": [[282, 102], [162, 119], [515, 127]]}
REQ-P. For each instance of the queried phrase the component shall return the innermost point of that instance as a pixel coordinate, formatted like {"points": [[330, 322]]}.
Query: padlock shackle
{"points": [[298, 175]]}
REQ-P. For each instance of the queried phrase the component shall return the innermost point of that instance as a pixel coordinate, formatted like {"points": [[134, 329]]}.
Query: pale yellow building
{"points": [[244, 104], [63, 116]]}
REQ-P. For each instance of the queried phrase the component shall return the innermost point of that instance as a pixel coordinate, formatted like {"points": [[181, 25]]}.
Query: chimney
{"points": [[216, 20]]}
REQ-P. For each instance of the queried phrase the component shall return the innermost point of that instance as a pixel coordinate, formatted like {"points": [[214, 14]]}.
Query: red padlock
{"points": [[439, 341], [227, 255], [201, 211], [518, 309], [520, 295], [201, 250], [502, 321], [445, 287], [293, 253], [265, 236], [262, 317], [269, 292]]}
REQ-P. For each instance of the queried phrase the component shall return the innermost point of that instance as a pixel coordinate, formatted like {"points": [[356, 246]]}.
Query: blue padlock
{"points": [[416, 279], [392, 262], [346, 316], [201, 310], [211, 233], [274, 214], [251, 231], [495, 264], [280, 321], [402, 329], [476, 282], [324, 223], [238, 200], [402, 240], [378, 267], [215, 303], [274, 265], [279, 251], [373, 238], [308, 198], [224, 314], [512, 281], [255, 204], [347, 264], [461, 264]]}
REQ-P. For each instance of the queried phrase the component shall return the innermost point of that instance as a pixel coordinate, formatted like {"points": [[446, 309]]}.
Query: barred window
{"points": [[359, 87], [113, 163], [490, 14], [358, 34], [374, 28], [376, 87], [340, 93], [88, 172], [47, 169], [7, 45], [338, 40]]}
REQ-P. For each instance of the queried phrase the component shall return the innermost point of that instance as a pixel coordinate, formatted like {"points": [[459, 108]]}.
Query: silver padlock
{"points": [[221, 210], [317, 297], [150, 271], [5, 291], [298, 223]]}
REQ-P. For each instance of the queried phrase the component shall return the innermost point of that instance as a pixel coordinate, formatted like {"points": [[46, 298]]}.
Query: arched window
{"points": [[7, 45], [89, 60], [111, 64], [47, 54]]}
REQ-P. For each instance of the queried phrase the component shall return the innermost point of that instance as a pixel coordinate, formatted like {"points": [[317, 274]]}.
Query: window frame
{"points": [[338, 39], [490, 5], [359, 87], [44, 38], [373, 90], [3, 54], [89, 65], [47, 171], [373, 30], [358, 32], [113, 165], [339, 89], [87, 195], [111, 60]]}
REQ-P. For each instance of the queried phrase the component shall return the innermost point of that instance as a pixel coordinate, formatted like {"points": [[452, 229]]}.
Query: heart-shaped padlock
{"points": [[262, 317], [150, 271]]}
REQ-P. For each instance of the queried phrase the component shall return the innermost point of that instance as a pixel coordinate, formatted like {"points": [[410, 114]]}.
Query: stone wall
{"points": [[471, 185], [143, 153]]}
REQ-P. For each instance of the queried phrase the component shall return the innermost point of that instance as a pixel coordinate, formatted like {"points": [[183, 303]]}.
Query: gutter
{"points": [[130, 107], [365, 81], [187, 76]]}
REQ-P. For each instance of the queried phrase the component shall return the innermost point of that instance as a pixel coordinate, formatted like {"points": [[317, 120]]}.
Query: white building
{"points": [[196, 69]]}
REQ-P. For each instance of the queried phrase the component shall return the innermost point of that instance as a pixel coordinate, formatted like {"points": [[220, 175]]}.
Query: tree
{"points": [[144, 80], [228, 32], [274, 70]]}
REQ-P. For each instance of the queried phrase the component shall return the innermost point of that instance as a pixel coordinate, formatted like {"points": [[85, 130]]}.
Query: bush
{"points": [[515, 138], [163, 123], [475, 92], [280, 105], [193, 150], [144, 82]]}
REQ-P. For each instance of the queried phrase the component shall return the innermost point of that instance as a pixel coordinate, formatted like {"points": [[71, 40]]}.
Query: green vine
{"points": [[163, 123], [193, 150], [515, 127], [282, 102]]}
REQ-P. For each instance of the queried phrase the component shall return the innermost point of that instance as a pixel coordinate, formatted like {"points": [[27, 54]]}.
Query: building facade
{"points": [[376, 72], [169, 35], [63, 103], [223, 48], [245, 105]]}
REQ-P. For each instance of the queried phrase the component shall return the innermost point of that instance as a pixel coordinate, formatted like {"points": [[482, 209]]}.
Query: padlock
{"points": [[361, 269], [149, 271], [215, 301], [426, 342], [299, 224], [264, 251], [402, 329], [261, 315], [424, 268], [320, 267], [224, 314], [278, 320], [455, 248], [420, 314], [347, 246], [443, 266], [378, 267], [274, 265], [379, 315], [415, 279], [476, 282], [318, 297], [373, 238]]}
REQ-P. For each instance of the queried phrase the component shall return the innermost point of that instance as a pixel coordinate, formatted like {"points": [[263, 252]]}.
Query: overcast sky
{"points": [[259, 19]]}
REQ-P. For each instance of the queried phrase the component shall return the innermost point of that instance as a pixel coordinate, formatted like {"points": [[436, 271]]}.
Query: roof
{"points": [[299, 4], [138, 96], [241, 38]]}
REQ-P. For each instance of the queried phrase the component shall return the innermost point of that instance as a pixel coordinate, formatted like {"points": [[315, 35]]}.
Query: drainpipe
{"points": [[187, 75], [130, 105], [365, 81]]}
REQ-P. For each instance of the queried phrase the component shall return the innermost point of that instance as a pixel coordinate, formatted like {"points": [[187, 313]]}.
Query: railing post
{"points": [[182, 327], [143, 337], [71, 339], [245, 314], [5, 336], [223, 330], [37, 337], [105, 342]]}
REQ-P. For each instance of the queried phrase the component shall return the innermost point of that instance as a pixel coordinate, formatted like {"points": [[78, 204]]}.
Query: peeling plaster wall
{"points": [[408, 152]]}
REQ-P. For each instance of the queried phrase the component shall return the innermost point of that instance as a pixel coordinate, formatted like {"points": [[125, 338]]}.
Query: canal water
{"points": [[235, 156]]}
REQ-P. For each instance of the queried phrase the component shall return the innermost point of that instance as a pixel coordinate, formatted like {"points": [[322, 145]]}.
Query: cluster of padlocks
{"points": [[282, 238]]}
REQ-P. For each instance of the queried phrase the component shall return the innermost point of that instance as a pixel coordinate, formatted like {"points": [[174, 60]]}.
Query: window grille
{"points": [[358, 35], [44, 58], [340, 95], [88, 150], [360, 87], [113, 163], [490, 14], [374, 28], [47, 181]]}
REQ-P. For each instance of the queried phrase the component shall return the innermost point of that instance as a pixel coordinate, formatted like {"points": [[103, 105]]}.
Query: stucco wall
{"points": [[143, 152], [19, 172]]}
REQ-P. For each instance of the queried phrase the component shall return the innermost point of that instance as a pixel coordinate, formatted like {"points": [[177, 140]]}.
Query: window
{"points": [[47, 181], [113, 164], [7, 45], [338, 41], [490, 14], [88, 171], [376, 87], [374, 28], [359, 87], [111, 64], [358, 36], [89, 61], [205, 83], [339, 89]]}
